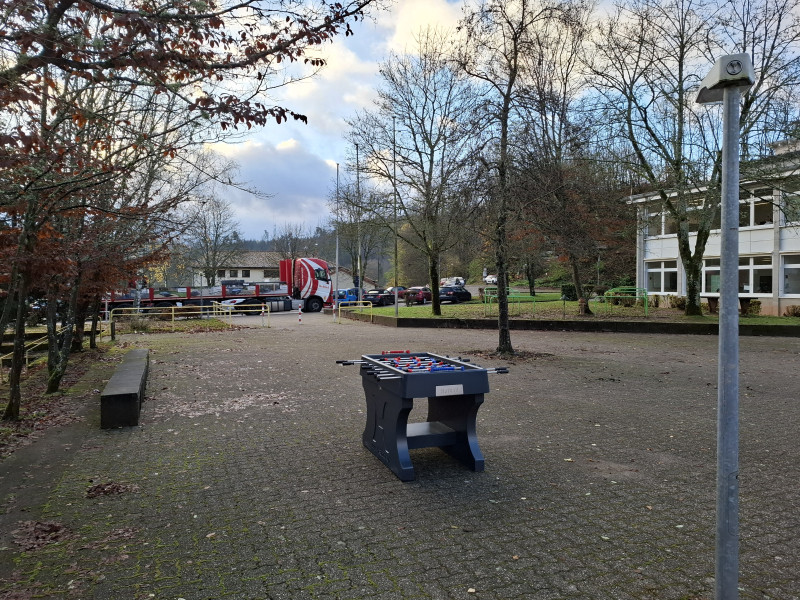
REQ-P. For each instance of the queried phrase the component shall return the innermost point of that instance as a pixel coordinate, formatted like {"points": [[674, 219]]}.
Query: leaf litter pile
{"points": [[110, 488], [167, 403], [192, 390], [32, 535]]}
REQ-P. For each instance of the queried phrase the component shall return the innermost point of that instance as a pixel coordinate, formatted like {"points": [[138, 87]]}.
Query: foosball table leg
{"points": [[385, 432], [459, 413]]}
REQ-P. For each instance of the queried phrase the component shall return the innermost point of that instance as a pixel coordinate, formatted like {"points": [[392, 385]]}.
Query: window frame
{"points": [[796, 267], [663, 270]]}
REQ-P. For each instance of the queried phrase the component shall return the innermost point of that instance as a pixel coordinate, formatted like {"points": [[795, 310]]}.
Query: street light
{"points": [[728, 77]]}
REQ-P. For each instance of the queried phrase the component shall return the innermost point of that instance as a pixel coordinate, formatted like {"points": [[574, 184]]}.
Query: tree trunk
{"points": [[503, 327], [58, 367], [576, 281], [530, 274], [95, 322], [11, 412], [693, 287], [80, 326], [433, 273], [51, 319]]}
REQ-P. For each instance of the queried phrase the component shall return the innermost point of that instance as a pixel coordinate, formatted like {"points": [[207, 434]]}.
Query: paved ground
{"points": [[247, 478]]}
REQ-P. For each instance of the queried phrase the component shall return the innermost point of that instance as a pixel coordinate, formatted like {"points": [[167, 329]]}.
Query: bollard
{"points": [[263, 308], [300, 315]]}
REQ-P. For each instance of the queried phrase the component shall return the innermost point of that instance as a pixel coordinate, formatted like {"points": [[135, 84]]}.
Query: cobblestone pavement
{"points": [[247, 478]]}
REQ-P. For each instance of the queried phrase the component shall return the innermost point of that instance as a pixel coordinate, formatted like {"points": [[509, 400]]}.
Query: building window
{"points": [[266, 273], [663, 223], [662, 277], [791, 274], [755, 275], [791, 208], [654, 224], [711, 276], [221, 273], [233, 273], [755, 208], [245, 272], [670, 225]]}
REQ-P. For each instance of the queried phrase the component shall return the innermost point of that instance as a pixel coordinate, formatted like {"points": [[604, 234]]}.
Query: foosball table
{"points": [[454, 389]]}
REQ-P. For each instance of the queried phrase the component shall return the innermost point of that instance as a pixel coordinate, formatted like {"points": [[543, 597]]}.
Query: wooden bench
{"points": [[121, 400]]}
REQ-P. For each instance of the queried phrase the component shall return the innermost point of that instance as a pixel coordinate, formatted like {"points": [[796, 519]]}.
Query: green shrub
{"points": [[625, 281], [754, 308], [568, 292], [678, 302], [557, 274], [792, 311]]}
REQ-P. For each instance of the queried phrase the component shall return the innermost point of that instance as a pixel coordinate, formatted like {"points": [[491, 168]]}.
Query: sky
{"points": [[295, 163]]}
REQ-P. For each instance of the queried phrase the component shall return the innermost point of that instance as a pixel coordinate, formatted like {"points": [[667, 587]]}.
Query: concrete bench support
{"points": [[122, 397]]}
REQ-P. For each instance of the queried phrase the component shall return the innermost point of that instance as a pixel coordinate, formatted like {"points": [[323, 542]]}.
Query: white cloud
{"points": [[296, 180], [410, 16], [296, 162]]}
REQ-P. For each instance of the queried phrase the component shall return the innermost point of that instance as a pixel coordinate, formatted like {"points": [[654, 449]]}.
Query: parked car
{"points": [[348, 295], [401, 290], [379, 297], [418, 295], [491, 279], [450, 281], [454, 294]]}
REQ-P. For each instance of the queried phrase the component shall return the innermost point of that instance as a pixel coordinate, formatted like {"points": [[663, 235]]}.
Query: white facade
{"points": [[247, 268], [769, 248]]}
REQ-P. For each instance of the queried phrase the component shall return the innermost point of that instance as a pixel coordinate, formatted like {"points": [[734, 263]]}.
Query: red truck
{"points": [[310, 289]]}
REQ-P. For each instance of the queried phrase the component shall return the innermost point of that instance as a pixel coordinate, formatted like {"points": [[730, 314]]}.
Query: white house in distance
{"points": [[769, 239], [263, 267], [246, 268]]}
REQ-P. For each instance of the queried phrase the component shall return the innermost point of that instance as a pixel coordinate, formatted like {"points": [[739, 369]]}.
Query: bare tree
{"points": [[648, 60], [498, 48], [421, 142], [291, 241], [551, 170], [362, 236], [212, 235]]}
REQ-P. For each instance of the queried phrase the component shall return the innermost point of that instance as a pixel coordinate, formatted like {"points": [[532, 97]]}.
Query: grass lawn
{"points": [[549, 306]]}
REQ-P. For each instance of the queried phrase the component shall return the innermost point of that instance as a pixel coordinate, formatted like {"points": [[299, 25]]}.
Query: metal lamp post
{"points": [[728, 77], [336, 277], [358, 229], [394, 194]]}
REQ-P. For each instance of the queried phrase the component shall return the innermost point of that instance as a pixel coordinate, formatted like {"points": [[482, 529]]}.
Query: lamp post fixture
{"points": [[728, 77]]}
